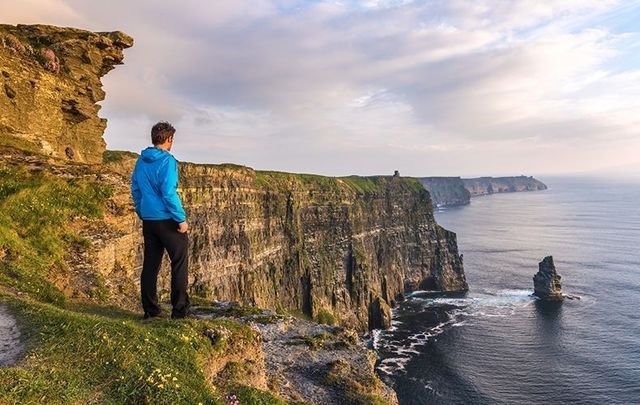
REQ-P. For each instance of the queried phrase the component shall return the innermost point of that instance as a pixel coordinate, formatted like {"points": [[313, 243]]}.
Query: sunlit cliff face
{"points": [[429, 88]]}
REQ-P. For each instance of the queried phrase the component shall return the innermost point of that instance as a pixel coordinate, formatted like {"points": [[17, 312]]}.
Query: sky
{"points": [[429, 88]]}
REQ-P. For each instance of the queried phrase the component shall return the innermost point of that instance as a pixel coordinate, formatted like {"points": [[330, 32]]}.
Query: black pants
{"points": [[158, 236]]}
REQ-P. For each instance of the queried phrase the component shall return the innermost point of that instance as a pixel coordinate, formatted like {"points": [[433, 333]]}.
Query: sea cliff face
{"points": [[446, 191], [453, 191], [491, 185], [345, 247]]}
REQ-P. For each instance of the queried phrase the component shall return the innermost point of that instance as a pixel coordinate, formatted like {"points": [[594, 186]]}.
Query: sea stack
{"points": [[547, 283]]}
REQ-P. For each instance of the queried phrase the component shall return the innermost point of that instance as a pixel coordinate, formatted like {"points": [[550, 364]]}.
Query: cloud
{"points": [[340, 87]]}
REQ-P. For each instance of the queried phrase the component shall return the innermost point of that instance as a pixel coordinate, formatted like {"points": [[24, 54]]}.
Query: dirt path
{"points": [[10, 344]]}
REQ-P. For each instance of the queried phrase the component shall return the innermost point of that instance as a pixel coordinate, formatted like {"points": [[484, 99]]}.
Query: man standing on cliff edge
{"points": [[154, 184]]}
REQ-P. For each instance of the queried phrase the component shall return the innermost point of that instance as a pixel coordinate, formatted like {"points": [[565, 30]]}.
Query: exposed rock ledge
{"points": [[306, 362], [50, 84]]}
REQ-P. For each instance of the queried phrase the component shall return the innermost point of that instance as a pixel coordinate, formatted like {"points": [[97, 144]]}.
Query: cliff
{"points": [[491, 185], [446, 191], [50, 87], [453, 191], [345, 247], [348, 246]]}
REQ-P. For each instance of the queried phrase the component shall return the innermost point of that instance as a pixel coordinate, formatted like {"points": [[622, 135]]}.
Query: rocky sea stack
{"points": [[547, 282]]}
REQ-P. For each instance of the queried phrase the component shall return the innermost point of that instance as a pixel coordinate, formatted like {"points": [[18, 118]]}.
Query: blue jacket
{"points": [[154, 184]]}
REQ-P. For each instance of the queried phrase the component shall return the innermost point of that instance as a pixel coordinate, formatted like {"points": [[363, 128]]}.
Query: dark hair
{"points": [[161, 132]]}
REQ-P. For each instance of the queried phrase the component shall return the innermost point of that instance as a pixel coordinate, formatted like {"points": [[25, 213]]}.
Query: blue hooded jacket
{"points": [[154, 184]]}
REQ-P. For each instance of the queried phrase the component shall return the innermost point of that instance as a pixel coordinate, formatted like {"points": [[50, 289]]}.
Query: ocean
{"points": [[499, 345]]}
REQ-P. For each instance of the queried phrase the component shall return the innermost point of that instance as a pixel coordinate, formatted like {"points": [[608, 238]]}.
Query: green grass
{"points": [[92, 354], [34, 211], [250, 395], [326, 317], [110, 156], [363, 185], [357, 389], [85, 352]]}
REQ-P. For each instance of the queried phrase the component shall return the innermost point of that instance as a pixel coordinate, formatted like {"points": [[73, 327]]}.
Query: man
{"points": [[154, 184]]}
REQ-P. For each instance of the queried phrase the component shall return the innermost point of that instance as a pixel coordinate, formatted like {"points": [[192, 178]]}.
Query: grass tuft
{"points": [[34, 211]]}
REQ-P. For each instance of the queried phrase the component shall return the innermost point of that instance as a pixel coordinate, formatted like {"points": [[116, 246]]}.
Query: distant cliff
{"points": [[452, 191], [446, 191], [492, 185]]}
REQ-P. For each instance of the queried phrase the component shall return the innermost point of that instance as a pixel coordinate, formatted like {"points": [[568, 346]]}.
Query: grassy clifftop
{"points": [[91, 354], [123, 161], [79, 351]]}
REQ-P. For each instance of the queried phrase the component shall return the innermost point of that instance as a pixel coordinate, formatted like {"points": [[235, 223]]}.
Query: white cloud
{"points": [[339, 87]]}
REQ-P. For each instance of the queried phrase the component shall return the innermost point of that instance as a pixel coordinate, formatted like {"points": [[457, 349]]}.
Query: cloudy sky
{"points": [[449, 87]]}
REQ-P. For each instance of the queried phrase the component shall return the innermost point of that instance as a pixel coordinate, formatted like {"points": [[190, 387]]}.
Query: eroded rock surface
{"points": [[307, 362], [49, 87], [320, 364]]}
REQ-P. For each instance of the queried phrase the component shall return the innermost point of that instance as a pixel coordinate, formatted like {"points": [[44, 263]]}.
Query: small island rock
{"points": [[547, 282]]}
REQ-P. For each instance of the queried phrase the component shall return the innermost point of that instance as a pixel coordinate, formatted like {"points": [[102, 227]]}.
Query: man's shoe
{"points": [[188, 315], [148, 316]]}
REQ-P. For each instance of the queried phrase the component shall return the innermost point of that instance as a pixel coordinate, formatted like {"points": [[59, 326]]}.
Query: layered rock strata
{"points": [[50, 86], [344, 247], [492, 185], [446, 191]]}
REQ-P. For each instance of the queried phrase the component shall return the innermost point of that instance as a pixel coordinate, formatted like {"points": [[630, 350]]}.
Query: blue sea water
{"points": [[499, 345]]}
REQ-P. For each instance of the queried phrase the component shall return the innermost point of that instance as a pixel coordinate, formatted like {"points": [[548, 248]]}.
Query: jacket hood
{"points": [[151, 154]]}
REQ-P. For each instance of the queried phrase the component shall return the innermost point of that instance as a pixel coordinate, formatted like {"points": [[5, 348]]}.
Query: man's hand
{"points": [[183, 227]]}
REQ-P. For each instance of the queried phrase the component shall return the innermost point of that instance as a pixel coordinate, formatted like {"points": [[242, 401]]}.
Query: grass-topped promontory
{"points": [[364, 185], [85, 354]]}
